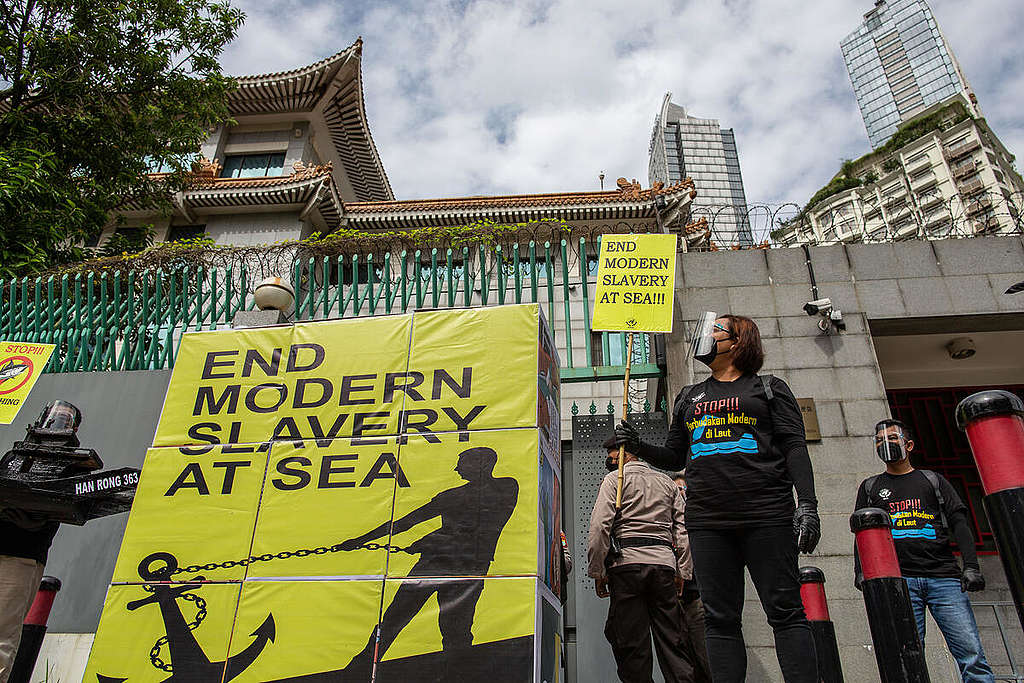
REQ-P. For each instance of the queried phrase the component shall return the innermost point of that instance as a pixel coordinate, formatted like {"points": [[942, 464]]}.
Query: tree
{"points": [[94, 94]]}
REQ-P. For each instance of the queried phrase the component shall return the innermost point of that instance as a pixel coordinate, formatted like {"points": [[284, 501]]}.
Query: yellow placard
{"points": [[293, 459], [198, 505], [21, 363], [635, 283]]}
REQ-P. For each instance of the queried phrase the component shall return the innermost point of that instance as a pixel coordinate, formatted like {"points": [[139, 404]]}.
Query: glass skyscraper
{"points": [[900, 64], [684, 146]]}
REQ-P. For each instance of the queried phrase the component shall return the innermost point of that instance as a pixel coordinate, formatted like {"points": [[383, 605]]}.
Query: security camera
{"points": [[818, 307], [961, 348], [835, 317]]}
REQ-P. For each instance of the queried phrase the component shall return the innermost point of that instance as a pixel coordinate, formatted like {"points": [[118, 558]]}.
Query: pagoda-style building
{"points": [[300, 159]]}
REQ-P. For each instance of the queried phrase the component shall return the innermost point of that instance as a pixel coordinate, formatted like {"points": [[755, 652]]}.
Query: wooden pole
{"points": [[625, 411]]}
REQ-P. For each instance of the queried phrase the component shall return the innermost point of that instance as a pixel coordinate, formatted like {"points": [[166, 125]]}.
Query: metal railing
{"points": [[134, 320], [1016, 674]]}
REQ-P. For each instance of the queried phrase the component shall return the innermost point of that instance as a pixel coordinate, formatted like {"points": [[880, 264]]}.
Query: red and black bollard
{"points": [[994, 423], [32, 631], [812, 594], [898, 648]]}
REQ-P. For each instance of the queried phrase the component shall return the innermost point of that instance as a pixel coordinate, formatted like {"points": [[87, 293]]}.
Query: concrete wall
{"points": [[907, 281], [246, 229]]}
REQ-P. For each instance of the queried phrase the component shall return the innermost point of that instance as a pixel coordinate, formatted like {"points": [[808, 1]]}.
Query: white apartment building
{"points": [[956, 180]]}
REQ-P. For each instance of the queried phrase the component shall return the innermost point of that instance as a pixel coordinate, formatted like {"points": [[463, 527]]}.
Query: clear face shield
{"points": [[703, 345], [890, 441], [59, 417]]}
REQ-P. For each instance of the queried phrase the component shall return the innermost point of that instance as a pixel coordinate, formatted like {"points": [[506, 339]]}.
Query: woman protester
{"points": [[740, 438]]}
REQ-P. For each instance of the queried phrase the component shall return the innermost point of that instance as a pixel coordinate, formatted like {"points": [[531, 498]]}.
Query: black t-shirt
{"points": [[31, 544], [736, 446], [922, 541]]}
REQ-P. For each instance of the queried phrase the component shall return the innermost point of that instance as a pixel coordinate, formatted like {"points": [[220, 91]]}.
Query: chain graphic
{"points": [[284, 555]]}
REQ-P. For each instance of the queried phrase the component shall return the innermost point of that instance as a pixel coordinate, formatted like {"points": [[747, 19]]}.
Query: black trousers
{"points": [[770, 555], [644, 604], [694, 637]]}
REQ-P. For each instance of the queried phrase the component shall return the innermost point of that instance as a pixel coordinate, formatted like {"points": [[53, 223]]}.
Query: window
{"points": [[253, 165], [185, 232]]}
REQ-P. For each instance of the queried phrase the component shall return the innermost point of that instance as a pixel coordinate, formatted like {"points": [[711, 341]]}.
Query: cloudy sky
{"points": [[473, 97]]}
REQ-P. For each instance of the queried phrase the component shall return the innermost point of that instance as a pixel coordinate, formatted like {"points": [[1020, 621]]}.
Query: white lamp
{"points": [[275, 294]]}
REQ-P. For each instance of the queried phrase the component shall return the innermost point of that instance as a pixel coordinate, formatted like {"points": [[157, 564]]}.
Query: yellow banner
{"points": [[21, 363], [388, 473], [635, 283]]}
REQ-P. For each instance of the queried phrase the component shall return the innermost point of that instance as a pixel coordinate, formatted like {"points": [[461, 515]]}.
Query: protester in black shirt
{"points": [[927, 515], [741, 439], [693, 614]]}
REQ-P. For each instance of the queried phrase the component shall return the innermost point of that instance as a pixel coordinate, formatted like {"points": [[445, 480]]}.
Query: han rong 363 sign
{"points": [[635, 283]]}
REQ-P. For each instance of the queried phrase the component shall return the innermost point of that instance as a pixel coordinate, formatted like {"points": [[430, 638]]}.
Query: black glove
{"points": [[971, 580], [858, 581], [807, 527], [626, 435]]}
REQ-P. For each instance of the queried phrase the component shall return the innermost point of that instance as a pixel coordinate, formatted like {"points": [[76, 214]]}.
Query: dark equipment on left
{"points": [[49, 475]]}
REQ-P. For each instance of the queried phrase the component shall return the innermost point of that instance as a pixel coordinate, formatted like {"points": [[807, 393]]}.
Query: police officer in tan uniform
{"points": [[640, 556]]}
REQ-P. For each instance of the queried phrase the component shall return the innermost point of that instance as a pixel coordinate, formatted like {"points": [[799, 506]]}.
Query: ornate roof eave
{"points": [[311, 187], [289, 91], [630, 201], [328, 87]]}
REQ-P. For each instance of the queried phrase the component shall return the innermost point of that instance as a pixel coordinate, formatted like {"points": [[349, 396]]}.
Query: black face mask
{"points": [[890, 452], [610, 464], [710, 356]]}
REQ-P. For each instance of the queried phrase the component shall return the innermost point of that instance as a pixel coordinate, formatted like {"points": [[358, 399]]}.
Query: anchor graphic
{"points": [[190, 663]]}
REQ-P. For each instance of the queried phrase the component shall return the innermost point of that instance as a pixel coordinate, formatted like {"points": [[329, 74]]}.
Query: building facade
{"points": [[954, 180], [900, 64], [300, 147], [685, 146]]}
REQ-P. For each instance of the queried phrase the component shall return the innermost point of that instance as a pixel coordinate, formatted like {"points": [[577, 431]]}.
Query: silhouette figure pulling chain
{"points": [[472, 518]]}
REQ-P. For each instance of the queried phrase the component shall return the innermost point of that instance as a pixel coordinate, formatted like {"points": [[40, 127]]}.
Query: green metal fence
{"points": [[134, 320]]}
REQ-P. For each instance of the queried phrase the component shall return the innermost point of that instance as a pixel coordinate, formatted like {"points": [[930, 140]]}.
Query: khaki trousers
{"points": [[19, 581]]}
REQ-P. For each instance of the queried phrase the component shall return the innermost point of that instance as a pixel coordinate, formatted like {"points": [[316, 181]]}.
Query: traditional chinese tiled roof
{"points": [[629, 201], [309, 186], [334, 87]]}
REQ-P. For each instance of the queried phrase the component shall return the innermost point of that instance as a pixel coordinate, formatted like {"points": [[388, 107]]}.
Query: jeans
{"points": [[952, 611], [770, 555]]}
